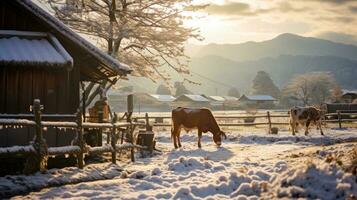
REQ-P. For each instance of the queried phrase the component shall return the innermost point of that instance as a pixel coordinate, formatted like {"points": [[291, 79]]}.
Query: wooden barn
{"points": [[41, 58], [259, 101]]}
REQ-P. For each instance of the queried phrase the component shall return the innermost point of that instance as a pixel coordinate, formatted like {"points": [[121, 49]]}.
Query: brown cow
{"points": [[304, 116], [189, 118]]}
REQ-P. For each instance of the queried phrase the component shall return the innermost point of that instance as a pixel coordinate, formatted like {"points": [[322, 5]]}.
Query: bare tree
{"points": [[311, 88], [336, 93], [148, 35]]}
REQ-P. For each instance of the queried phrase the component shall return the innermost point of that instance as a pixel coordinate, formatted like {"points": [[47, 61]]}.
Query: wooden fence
{"points": [[249, 120], [37, 151]]}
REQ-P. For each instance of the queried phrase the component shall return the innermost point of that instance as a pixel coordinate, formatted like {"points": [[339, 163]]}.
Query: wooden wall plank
{"points": [[2, 89], [50, 96], [12, 80], [25, 98]]}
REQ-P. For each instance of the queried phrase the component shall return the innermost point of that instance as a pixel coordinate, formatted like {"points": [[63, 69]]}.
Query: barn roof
{"points": [[349, 92], [163, 98], [192, 97], [32, 49], [257, 98], [230, 98], [105, 64], [217, 98]]}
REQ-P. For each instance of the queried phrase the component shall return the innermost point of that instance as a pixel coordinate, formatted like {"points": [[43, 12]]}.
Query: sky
{"points": [[236, 21]]}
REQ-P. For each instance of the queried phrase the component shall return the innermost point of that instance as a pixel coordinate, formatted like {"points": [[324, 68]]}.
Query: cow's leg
{"points": [[199, 138], [178, 138], [292, 125], [174, 132], [307, 126], [319, 125]]}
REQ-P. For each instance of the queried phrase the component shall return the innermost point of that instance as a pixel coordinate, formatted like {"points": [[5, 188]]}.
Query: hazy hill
{"points": [[219, 67], [281, 69], [287, 43]]}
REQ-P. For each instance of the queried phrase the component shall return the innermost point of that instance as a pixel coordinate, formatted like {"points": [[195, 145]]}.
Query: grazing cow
{"points": [[304, 116], [201, 119]]}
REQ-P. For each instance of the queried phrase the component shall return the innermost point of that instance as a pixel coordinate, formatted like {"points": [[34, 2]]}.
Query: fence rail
{"points": [[158, 120], [38, 151]]}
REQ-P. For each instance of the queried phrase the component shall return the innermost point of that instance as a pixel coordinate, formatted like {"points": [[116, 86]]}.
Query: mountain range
{"points": [[221, 66]]}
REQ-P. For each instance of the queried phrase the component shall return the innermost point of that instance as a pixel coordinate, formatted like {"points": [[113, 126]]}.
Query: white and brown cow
{"points": [[201, 119], [305, 116]]}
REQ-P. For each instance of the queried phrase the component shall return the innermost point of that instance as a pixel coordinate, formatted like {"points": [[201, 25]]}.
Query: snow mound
{"points": [[323, 181], [20, 184], [184, 164], [290, 139]]}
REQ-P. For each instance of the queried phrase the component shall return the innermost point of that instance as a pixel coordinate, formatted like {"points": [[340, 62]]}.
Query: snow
{"points": [[59, 26], [18, 184], [217, 98], [59, 124], [259, 97], [193, 97], [248, 166], [163, 98], [17, 122], [17, 149], [322, 181], [230, 98], [42, 52], [63, 150]]}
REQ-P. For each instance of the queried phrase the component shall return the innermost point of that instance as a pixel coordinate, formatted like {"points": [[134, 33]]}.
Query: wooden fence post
{"points": [[114, 139], [38, 160], [80, 141], [269, 122], [147, 123], [130, 129], [339, 119]]}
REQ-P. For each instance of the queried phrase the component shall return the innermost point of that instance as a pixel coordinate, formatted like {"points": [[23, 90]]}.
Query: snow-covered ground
{"points": [[247, 166]]}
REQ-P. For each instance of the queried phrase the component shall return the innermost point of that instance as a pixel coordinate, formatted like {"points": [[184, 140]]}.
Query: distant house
{"points": [[216, 101], [162, 98], [348, 96], [230, 98], [257, 100], [118, 100], [143, 102], [192, 100], [41, 58]]}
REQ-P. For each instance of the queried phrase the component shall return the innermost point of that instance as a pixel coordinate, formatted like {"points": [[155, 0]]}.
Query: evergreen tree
{"points": [[264, 85], [233, 92], [181, 89], [163, 89]]}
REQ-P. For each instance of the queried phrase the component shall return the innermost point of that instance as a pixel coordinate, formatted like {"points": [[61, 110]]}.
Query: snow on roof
{"points": [[345, 91], [163, 98], [32, 49], [230, 98], [56, 24], [258, 97], [217, 98], [193, 97]]}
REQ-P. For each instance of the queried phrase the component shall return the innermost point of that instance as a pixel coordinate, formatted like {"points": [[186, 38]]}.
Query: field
{"points": [[249, 165]]}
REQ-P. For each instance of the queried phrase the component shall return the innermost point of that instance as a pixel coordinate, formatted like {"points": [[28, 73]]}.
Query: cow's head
{"points": [[217, 137]]}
